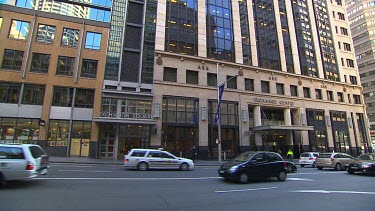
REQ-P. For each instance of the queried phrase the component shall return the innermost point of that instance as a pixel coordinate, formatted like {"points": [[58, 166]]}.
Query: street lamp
{"points": [[220, 90]]}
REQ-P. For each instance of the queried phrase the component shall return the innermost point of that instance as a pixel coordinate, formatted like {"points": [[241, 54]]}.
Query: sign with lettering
{"points": [[202, 67], [274, 102], [125, 115]]}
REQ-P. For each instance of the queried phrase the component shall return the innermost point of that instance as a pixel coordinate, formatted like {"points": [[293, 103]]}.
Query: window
{"points": [[89, 68], [231, 82], [65, 65], [46, 33], [84, 98], [265, 85], [341, 16], [339, 2], [249, 84], [93, 40], [12, 59], [344, 31], [293, 91], [170, 74], [349, 63], [357, 99], [280, 88], [306, 92], [33, 94], [339, 44], [318, 94], [40, 63], [342, 62], [211, 79], [9, 92], [11, 153], [70, 37], [330, 95], [347, 47], [349, 99], [353, 79], [340, 96], [19, 30], [191, 77], [62, 96], [58, 131]]}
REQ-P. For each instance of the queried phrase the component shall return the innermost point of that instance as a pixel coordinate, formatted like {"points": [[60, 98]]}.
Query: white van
{"points": [[22, 161]]}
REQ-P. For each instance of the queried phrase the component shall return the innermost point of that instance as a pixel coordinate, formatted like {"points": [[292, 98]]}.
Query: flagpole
{"points": [[218, 116]]}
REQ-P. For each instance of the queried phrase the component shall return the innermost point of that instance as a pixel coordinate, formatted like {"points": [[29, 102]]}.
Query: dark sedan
{"points": [[254, 165], [364, 163]]}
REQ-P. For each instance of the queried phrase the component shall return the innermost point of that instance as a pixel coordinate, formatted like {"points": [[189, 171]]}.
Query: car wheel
{"points": [[282, 176], [142, 166], [302, 165], [290, 168], [319, 168], [350, 171], [184, 167], [338, 167], [243, 178]]}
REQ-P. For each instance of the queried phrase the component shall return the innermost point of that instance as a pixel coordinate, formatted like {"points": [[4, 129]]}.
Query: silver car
{"points": [[143, 159], [22, 161], [308, 158], [335, 160]]}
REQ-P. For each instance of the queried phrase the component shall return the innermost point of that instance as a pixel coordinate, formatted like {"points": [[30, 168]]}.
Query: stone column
{"points": [[288, 121], [202, 39], [160, 25]]}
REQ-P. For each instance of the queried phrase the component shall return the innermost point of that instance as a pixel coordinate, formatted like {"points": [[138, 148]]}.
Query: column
{"points": [[253, 42], [288, 121], [293, 37], [280, 36], [202, 39], [160, 25], [258, 122], [237, 32]]}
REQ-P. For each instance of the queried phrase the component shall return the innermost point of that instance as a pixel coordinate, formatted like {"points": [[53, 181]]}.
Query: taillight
{"points": [[332, 159], [311, 158], [126, 160], [29, 166], [284, 164]]}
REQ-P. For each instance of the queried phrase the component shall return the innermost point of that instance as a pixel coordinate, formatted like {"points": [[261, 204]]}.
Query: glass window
{"points": [[340, 96], [33, 94], [65, 65], [89, 68], [191, 77], [265, 85], [58, 131], [280, 88], [231, 82], [293, 91], [9, 92], [357, 99], [211, 79], [62, 96], [84, 98], [40, 63], [170, 74], [306, 92], [318, 94], [19, 30], [12, 59], [330, 95], [11, 153], [109, 107], [93, 40], [46, 33], [70, 37], [249, 84]]}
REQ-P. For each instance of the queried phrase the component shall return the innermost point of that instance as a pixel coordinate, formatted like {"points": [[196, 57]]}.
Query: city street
{"points": [[110, 187]]}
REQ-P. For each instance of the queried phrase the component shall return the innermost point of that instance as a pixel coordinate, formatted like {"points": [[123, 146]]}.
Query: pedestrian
{"points": [[290, 155], [194, 153]]}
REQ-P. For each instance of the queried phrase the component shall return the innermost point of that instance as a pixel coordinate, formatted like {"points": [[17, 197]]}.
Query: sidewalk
{"points": [[86, 160]]}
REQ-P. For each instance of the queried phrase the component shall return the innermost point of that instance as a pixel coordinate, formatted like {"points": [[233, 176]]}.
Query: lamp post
{"points": [[219, 95]]}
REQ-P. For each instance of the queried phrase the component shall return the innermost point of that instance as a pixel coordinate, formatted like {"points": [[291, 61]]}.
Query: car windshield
{"points": [[325, 155], [366, 157], [244, 156], [305, 155]]}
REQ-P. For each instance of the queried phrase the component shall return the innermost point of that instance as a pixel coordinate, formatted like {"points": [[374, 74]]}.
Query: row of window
{"points": [[46, 34], [13, 60], [34, 95], [170, 74]]}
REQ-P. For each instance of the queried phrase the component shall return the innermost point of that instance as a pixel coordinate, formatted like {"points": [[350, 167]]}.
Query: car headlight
{"points": [[366, 165], [233, 169]]}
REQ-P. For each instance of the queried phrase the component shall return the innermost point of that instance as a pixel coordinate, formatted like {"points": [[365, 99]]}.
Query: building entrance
{"points": [[107, 142], [275, 141]]}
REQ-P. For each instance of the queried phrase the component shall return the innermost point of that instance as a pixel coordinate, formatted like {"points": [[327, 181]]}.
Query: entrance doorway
{"points": [[275, 141], [107, 142], [179, 140]]}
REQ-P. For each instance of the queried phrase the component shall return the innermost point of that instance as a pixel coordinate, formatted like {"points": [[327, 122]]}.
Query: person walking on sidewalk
{"points": [[194, 153], [290, 155]]}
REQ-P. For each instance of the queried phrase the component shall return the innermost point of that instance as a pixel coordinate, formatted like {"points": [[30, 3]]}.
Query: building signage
{"points": [[274, 102], [125, 115], [202, 67]]}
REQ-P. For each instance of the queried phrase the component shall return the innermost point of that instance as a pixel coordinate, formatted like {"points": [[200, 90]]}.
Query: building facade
{"points": [[283, 70], [361, 19]]}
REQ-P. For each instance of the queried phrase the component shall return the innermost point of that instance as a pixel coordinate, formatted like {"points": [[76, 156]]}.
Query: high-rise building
{"points": [[361, 19], [279, 67]]}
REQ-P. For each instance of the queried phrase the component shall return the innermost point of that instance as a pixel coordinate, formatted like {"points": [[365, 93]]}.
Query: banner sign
{"points": [[221, 91]]}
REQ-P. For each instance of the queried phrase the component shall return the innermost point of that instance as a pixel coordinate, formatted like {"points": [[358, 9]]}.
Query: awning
{"points": [[126, 121], [283, 127]]}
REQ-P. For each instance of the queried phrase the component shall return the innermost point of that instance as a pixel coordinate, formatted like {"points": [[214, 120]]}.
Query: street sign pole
{"points": [[218, 114]]}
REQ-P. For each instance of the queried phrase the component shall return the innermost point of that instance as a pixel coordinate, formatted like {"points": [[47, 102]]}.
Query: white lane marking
{"points": [[337, 172], [86, 171], [243, 190], [100, 171], [326, 191], [299, 179], [71, 170], [71, 166], [111, 178]]}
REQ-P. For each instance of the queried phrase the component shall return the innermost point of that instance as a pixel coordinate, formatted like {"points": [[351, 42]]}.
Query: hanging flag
{"points": [[221, 91]]}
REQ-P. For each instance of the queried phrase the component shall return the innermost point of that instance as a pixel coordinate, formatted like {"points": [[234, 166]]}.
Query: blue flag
{"points": [[221, 91]]}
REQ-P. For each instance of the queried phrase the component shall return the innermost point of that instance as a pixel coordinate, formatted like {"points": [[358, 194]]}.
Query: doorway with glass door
{"points": [[132, 136], [107, 141]]}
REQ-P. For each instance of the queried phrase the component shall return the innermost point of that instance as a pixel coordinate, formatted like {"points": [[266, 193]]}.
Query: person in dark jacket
{"points": [[194, 153]]}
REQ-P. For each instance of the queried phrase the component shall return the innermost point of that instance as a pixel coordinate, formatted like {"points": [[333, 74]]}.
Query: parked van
{"points": [[335, 160], [22, 161]]}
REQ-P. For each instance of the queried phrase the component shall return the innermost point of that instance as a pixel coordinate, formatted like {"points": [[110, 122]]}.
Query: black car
{"points": [[291, 167], [254, 165], [364, 163]]}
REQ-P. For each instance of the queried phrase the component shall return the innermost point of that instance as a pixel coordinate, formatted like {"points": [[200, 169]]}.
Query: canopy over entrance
{"points": [[283, 127]]}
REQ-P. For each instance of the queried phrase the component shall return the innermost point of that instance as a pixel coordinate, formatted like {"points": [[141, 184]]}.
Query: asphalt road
{"points": [[109, 187]]}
